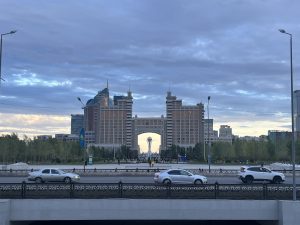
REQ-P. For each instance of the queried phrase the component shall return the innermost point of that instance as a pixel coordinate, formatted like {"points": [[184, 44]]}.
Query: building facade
{"points": [[184, 126], [67, 137], [44, 137], [149, 125], [276, 136], [111, 122], [209, 128], [297, 110], [225, 133], [76, 123]]}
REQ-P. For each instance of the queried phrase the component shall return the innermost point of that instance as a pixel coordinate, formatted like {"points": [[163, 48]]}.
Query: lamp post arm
{"points": [[11, 32]]}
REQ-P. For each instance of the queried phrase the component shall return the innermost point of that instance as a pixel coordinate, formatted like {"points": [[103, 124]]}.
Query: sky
{"points": [[230, 50]]}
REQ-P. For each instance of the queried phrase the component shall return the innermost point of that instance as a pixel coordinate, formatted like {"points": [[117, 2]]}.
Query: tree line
{"points": [[239, 151], [35, 151]]}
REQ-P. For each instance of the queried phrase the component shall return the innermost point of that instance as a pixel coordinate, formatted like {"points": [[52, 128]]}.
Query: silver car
{"points": [[178, 176], [52, 175]]}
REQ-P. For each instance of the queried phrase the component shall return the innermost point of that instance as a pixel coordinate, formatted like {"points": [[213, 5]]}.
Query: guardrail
{"points": [[134, 172], [146, 191]]}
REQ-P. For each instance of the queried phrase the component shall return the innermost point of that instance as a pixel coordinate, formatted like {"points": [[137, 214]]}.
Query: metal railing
{"points": [[146, 191]]}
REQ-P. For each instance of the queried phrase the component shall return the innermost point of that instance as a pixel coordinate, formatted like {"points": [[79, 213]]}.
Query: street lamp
{"points": [[292, 113], [11, 32], [208, 138], [79, 99], [82, 135]]}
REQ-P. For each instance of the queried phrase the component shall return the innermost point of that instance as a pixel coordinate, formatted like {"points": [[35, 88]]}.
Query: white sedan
{"points": [[178, 176], [54, 175]]}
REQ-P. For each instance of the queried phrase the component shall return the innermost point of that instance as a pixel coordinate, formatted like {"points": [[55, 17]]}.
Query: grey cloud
{"points": [[230, 50]]}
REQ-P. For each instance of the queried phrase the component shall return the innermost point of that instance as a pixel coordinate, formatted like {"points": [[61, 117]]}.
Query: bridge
{"points": [[23, 203], [27, 202]]}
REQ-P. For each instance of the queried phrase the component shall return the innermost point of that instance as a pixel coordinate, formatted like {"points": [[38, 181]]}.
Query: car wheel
{"points": [[277, 180], [249, 179], [67, 180], [198, 182], [243, 180], [38, 180], [167, 182]]}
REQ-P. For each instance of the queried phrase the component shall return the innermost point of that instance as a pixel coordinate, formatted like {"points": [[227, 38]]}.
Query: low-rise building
{"points": [[225, 133]]}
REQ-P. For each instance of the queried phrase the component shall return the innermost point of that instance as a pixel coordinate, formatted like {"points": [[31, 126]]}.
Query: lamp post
{"points": [[208, 138], [292, 113], [11, 32], [81, 139]]}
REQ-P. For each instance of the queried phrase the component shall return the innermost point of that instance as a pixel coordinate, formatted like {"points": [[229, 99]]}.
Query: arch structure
{"points": [[149, 125]]}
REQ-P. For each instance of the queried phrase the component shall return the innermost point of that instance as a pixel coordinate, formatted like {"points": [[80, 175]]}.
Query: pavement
{"points": [[134, 165]]}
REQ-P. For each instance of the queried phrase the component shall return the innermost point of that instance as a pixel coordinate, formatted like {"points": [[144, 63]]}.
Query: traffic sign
{"points": [[81, 138]]}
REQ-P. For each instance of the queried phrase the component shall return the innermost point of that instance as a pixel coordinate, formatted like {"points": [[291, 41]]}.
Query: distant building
{"points": [[109, 123], [225, 133], [72, 137], [110, 120], [44, 137], [90, 137], [213, 134], [76, 123], [275, 136], [216, 137], [297, 110], [250, 138], [67, 137], [184, 123], [61, 137]]}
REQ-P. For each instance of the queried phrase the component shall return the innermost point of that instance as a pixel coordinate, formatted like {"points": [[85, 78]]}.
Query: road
{"points": [[141, 179]]}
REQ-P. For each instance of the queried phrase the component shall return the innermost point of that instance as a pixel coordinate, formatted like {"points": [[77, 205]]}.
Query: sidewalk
{"points": [[140, 166]]}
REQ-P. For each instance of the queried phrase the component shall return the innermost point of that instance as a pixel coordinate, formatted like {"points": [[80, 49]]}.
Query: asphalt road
{"points": [[142, 179]]}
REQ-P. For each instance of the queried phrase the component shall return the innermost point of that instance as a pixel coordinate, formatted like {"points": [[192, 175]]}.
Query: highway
{"points": [[141, 179]]}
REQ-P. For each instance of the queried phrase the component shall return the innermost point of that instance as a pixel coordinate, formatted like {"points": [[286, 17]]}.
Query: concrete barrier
{"points": [[4, 212], [268, 212]]}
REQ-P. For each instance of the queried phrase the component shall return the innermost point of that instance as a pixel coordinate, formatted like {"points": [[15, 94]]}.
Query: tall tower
{"points": [[149, 140], [169, 125]]}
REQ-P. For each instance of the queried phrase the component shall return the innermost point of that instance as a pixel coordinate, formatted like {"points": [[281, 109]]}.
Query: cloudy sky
{"points": [[230, 50]]}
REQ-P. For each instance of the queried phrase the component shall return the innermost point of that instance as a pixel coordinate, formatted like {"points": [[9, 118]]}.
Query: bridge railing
{"points": [[134, 172], [146, 191]]}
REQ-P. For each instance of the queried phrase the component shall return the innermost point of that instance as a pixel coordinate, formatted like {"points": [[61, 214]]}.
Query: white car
{"points": [[248, 174], [54, 175], [178, 176]]}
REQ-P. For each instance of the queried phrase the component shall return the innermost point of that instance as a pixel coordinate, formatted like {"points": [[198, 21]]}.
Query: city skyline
{"points": [[64, 50]]}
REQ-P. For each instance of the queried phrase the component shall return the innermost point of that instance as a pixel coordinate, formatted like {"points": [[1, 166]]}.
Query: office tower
{"points": [[76, 123], [208, 126], [110, 120], [114, 125], [184, 123]]}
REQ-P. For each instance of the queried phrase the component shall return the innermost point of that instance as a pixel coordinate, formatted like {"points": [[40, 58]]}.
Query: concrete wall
{"points": [[289, 212], [4, 212], [286, 212]]}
